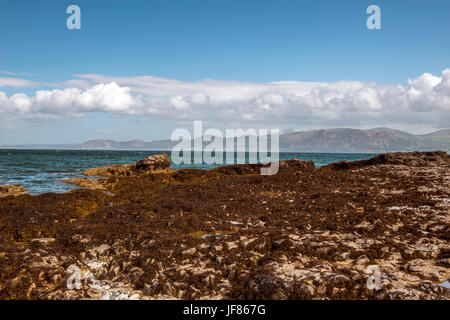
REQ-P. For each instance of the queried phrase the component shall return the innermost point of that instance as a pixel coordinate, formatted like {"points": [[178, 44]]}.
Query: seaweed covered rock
{"points": [[114, 170], [11, 190], [411, 159], [231, 233], [149, 164], [285, 165], [154, 162]]}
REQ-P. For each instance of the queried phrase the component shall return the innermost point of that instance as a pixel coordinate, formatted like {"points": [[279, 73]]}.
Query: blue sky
{"points": [[188, 41]]}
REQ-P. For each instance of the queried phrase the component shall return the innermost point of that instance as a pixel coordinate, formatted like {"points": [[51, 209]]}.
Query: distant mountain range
{"points": [[373, 141], [101, 144], [376, 140]]}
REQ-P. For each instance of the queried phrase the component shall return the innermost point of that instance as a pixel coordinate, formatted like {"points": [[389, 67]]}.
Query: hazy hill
{"points": [[67, 146], [350, 140], [326, 140], [100, 144], [437, 140], [376, 140]]}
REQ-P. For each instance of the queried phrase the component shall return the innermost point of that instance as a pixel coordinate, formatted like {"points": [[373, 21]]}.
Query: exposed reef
{"points": [[11, 190], [154, 163], [146, 231], [159, 163]]}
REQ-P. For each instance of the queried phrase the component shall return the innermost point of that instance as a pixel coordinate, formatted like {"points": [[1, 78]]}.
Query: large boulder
{"points": [[154, 162]]}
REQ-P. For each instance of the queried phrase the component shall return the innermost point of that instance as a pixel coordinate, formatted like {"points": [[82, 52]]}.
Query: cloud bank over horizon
{"points": [[423, 102]]}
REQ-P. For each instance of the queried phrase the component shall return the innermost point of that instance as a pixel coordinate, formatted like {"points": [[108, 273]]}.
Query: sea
{"points": [[40, 171]]}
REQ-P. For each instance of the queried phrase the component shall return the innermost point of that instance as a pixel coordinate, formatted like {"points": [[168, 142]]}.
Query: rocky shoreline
{"points": [[11, 190], [145, 231]]}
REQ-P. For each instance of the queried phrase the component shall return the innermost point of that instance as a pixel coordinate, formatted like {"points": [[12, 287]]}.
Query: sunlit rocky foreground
{"points": [[144, 231]]}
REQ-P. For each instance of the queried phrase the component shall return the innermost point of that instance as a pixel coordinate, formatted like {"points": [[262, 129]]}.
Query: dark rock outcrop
{"points": [[150, 164], [412, 159], [241, 169], [154, 162]]}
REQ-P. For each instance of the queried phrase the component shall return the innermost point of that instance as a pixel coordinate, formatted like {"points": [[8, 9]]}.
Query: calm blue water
{"points": [[39, 170]]}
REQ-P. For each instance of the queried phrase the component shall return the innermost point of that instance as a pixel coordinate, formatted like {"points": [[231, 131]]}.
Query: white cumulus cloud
{"points": [[423, 101], [108, 97]]}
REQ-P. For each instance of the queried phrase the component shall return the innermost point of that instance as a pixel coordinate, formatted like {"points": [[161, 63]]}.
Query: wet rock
{"points": [[149, 289], [190, 251], [11, 190], [297, 165], [412, 159], [428, 287], [444, 262], [219, 259], [268, 287], [337, 280], [362, 260], [341, 256], [31, 290], [282, 244], [154, 162], [86, 182], [308, 290], [209, 280], [149, 164], [232, 275], [115, 170]]}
